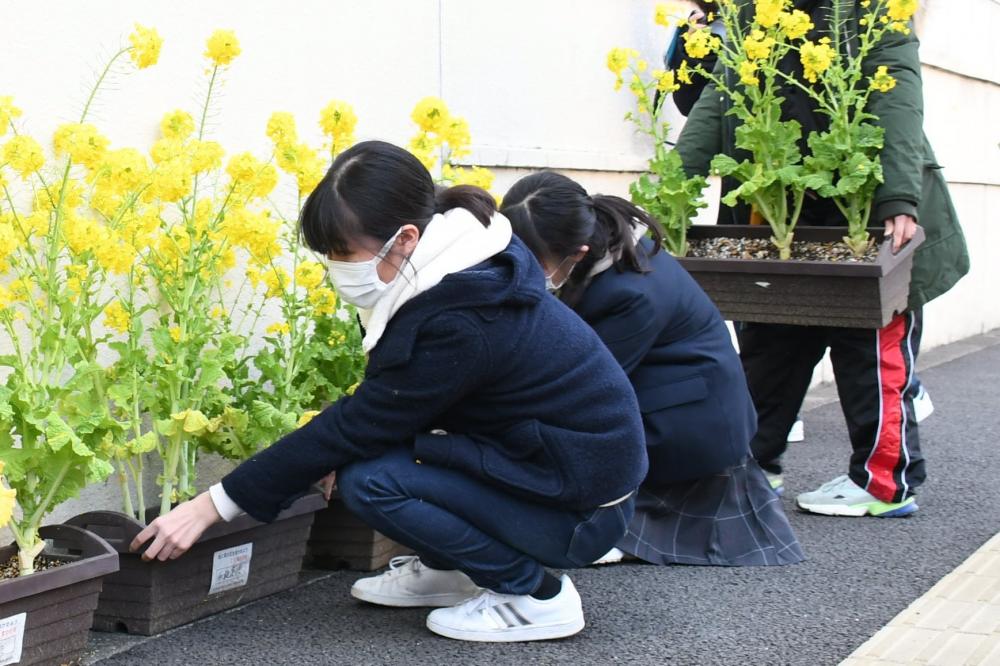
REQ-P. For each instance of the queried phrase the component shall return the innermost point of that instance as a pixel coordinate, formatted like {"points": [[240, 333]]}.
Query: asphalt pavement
{"points": [[860, 573]]}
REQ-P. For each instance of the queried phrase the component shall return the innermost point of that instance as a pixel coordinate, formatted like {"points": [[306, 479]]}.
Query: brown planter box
{"points": [[805, 293], [150, 597], [59, 602], [339, 540]]}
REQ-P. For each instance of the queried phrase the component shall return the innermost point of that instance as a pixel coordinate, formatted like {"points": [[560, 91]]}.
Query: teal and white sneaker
{"points": [[777, 482], [843, 497]]}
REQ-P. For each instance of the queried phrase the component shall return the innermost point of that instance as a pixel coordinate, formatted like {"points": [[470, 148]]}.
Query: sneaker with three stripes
{"points": [[506, 618]]}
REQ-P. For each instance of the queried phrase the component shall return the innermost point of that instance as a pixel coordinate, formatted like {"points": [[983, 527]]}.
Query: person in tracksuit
{"points": [[704, 499], [874, 368]]}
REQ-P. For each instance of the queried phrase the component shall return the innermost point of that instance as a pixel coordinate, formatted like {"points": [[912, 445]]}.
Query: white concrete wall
{"points": [[529, 75]]}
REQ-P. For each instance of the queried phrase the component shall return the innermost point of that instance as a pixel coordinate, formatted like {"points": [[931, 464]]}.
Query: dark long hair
{"points": [[555, 216], [374, 188]]}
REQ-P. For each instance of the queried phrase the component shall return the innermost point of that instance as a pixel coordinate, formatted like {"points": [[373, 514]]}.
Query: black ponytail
{"points": [[372, 189], [555, 217]]}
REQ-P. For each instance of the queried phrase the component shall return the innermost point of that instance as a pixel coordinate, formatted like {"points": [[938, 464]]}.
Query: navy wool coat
{"points": [[527, 395], [673, 343]]}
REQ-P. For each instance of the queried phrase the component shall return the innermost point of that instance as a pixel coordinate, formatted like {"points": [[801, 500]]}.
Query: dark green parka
{"points": [[914, 184]]}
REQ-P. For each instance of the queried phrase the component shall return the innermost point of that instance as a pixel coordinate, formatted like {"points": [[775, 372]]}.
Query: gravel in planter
{"points": [[762, 248], [11, 568]]}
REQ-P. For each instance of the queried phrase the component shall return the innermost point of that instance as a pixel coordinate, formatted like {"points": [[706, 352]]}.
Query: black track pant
{"points": [[874, 370]]}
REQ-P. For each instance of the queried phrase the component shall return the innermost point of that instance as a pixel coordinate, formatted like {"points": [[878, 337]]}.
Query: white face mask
{"points": [[552, 286], [357, 282]]}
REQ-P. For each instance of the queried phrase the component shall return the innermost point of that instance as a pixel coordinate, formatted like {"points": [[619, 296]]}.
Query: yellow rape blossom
{"points": [[667, 13], [278, 328], [666, 81], [175, 333], [882, 81], [146, 44], [757, 45], [206, 155], [275, 279], [222, 47], [338, 120], [424, 146], [123, 170], [768, 12], [684, 73], [618, 59], [7, 112], [24, 155], [901, 10], [430, 114], [323, 300], [82, 142], [796, 24], [309, 275], [117, 317], [456, 133], [699, 43], [171, 181], [748, 73], [816, 59], [281, 128], [177, 124]]}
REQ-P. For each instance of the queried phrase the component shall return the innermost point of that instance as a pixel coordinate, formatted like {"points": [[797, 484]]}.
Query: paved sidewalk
{"points": [[861, 574]]}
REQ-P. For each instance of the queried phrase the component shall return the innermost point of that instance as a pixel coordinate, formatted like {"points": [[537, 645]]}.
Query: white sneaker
{"points": [[505, 618], [408, 583], [797, 432], [613, 556], [843, 497], [922, 405]]}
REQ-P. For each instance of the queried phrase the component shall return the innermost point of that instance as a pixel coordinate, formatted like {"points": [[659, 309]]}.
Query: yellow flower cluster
{"points": [[901, 10], [117, 317], [309, 275], [8, 242], [222, 47], [278, 328], [618, 60], [668, 13], [699, 43], [323, 301], [146, 44], [796, 24], [256, 232], [748, 73], [7, 112], [24, 155], [476, 176], [758, 45], [251, 178], [816, 58], [768, 12], [437, 128], [294, 158], [882, 81], [666, 81], [338, 120]]}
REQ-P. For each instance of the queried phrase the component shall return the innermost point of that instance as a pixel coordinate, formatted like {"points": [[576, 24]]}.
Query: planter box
{"points": [[232, 564], [804, 293], [58, 604], [339, 540]]}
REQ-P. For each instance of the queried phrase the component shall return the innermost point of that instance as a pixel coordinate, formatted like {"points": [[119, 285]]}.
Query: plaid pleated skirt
{"points": [[728, 519]]}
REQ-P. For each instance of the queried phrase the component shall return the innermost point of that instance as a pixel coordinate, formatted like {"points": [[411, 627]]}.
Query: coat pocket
{"points": [[521, 459], [680, 392]]}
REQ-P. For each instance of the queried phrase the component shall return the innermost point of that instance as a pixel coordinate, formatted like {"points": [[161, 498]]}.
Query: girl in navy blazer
{"points": [[704, 500], [493, 433]]}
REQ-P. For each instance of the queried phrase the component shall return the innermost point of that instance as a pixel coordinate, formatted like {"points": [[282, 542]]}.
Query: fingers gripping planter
{"points": [[232, 564], [804, 293], [339, 540], [47, 615]]}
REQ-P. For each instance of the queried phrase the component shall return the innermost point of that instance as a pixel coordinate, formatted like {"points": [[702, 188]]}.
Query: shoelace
{"points": [[401, 563], [484, 601]]}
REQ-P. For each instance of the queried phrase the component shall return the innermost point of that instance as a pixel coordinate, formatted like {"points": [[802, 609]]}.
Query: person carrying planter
{"points": [[874, 369], [705, 500], [493, 433]]}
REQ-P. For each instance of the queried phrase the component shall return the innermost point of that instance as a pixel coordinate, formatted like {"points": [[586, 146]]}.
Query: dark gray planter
{"points": [[804, 293], [150, 597], [339, 540], [59, 602]]}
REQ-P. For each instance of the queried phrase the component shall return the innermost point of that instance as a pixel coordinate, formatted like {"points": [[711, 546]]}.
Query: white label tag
{"points": [[12, 638], [231, 568]]}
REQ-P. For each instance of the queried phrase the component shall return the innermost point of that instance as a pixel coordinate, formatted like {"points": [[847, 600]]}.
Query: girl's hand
{"points": [[901, 228], [174, 533], [328, 483]]}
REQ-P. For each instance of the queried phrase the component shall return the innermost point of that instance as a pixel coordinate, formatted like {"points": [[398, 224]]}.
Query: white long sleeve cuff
{"points": [[227, 508]]}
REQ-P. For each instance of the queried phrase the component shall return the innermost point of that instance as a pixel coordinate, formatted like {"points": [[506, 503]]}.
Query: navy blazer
{"points": [[673, 343], [486, 373]]}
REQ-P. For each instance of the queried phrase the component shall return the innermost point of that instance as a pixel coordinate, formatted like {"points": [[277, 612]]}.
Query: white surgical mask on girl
{"points": [[357, 282], [552, 286]]}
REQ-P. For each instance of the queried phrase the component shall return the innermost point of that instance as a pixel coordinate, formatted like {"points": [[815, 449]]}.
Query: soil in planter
{"points": [[762, 248], [11, 567]]}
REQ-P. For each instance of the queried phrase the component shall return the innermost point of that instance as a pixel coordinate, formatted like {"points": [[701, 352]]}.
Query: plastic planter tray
{"points": [[339, 540], [58, 603], [805, 293], [150, 597]]}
